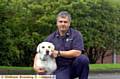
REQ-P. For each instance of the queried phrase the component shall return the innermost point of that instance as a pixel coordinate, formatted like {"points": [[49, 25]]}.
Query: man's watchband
{"points": [[58, 54]]}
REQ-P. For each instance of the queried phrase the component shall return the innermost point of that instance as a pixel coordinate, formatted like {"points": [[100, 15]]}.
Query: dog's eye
{"points": [[43, 47], [49, 47]]}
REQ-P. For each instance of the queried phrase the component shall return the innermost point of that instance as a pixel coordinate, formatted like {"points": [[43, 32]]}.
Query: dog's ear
{"points": [[38, 48], [52, 46]]}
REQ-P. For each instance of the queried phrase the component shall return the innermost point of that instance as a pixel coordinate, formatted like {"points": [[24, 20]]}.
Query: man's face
{"points": [[63, 24]]}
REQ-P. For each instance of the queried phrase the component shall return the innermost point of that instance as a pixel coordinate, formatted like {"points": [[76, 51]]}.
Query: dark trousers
{"points": [[79, 68]]}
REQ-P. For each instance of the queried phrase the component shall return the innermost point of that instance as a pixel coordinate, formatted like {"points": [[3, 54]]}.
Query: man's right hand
{"points": [[39, 70]]}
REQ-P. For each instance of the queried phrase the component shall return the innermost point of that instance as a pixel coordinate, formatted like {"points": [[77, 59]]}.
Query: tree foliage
{"points": [[25, 23]]}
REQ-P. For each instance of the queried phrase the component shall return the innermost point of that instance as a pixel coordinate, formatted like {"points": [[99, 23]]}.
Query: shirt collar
{"points": [[67, 34]]}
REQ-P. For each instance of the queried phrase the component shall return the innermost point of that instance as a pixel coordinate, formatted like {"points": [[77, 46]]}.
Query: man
{"points": [[68, 47]]}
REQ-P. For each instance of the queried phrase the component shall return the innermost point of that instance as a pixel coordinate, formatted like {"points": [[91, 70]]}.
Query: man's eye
{"points": [[60, 21], [43, 47], [63, 21]]}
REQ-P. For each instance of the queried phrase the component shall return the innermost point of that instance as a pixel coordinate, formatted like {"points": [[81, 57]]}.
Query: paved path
{"points": [[105, 76]]}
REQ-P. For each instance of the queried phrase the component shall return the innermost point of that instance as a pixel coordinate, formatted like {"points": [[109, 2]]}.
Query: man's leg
{"points": [[80, 67], [63, 73]]}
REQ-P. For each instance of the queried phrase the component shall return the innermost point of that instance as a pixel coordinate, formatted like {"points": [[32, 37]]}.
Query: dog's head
{"points": [[44, 49]]}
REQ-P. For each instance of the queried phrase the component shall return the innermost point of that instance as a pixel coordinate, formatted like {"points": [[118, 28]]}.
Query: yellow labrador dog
{"points": [[45, 61]]}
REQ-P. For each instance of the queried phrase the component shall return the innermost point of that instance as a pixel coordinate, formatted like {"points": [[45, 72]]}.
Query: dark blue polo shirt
{"points": [[71, 41]]}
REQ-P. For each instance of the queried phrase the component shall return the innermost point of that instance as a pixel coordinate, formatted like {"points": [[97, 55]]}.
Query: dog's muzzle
{"points": [[47, 52]]}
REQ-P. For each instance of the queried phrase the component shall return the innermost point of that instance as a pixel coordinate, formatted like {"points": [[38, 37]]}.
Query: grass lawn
{"points": [[29, 70], [92, 67], [15, 68], [11, 70], [104, 67]]}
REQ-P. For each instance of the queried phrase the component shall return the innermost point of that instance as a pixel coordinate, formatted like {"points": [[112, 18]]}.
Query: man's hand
{"points": [[66, 54], [39, 70], [54, 53]]}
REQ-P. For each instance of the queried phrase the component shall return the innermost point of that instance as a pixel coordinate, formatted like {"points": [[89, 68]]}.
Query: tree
{"points": [[25, 23]]}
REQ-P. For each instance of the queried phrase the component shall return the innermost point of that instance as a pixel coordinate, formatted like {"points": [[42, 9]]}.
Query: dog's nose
{"points": [[47, 52]]}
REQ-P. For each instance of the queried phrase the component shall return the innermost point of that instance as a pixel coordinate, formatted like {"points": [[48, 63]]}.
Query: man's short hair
{"points": [[64, 14]]}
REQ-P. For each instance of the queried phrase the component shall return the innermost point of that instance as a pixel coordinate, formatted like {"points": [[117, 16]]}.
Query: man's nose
{"points": [[62, 23]]}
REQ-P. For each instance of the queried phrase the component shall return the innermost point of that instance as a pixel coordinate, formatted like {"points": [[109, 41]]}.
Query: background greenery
{"points": [[25, 23]]}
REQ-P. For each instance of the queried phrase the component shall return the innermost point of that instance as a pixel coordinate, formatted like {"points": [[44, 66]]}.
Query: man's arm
{"points": [[35, 67], [67, 54]]}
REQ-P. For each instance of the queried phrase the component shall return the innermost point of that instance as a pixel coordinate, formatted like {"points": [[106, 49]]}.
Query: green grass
{"points": [[104, 66], [11, 70], [16, 68], [29, 70], [92, 67]]}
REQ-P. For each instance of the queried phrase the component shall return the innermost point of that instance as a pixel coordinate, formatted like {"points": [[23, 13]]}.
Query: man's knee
{"points": [[82, 59], [80, 67]]}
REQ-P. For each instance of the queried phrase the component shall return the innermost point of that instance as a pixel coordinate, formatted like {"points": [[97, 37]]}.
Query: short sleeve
{"points": [[78, 42]]}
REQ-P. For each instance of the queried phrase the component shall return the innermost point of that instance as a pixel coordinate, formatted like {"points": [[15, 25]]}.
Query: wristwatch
{"points": [[58, 54]]}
